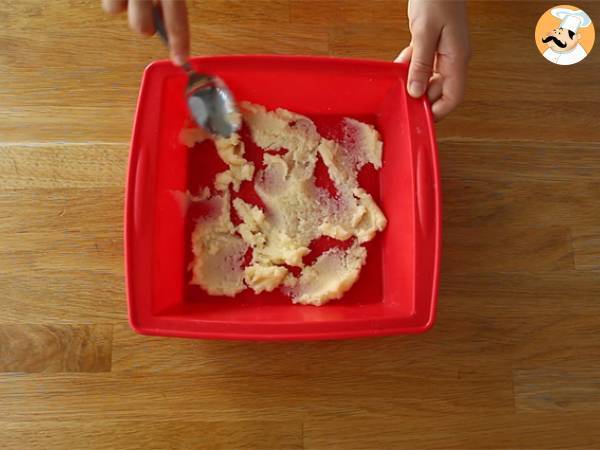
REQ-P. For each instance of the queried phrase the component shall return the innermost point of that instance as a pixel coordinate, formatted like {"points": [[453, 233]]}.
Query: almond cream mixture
{"points": [[297, 211]]}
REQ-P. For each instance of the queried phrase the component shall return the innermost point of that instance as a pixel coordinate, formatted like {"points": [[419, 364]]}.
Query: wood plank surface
{"points": [[159, 434], [513, 361], [515, 431], [37, 348]]}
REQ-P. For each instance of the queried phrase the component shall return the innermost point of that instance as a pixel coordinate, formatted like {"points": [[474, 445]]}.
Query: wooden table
{"points": [[514, 360]]}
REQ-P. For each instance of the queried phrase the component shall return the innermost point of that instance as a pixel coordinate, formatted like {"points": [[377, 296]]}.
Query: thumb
{"points": [[421, 63], [404, 56]]}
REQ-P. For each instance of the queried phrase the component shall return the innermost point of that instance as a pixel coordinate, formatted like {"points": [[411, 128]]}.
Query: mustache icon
{"points": [[555, 40]]}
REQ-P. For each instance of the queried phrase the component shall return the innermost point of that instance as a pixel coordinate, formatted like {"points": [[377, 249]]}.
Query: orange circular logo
{"points": [[565, 35]]}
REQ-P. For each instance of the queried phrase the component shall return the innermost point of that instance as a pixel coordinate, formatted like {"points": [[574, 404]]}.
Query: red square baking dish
{"points": [[397, 290]]}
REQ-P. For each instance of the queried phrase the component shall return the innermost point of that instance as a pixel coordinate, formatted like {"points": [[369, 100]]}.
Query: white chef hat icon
{"points": [[572, 19]]}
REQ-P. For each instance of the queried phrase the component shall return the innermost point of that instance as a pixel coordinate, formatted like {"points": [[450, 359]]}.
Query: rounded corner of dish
{"points": [[135, 324], [156, 65]]}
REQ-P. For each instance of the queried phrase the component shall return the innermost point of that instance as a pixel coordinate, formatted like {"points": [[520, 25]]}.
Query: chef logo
{"points": [[565, 35]]}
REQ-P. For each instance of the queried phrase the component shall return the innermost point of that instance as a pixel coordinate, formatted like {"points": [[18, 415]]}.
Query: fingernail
{"points": [[416, 88], [402, 56]]}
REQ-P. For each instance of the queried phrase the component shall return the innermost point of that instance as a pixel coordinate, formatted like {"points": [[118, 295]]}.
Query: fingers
{"points": [[446, 88], [452, 96], [436, 86], [114, 6], [176, 23], [140, 16], [453, 69], [435, 83], [424, 45], [453, 90]]}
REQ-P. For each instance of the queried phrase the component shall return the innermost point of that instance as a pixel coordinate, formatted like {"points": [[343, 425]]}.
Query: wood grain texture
{"points": [[129, 396], [417, 358], [514, 359], [586, 245], [62, 348], [548, 389], [62, 166], [507, 249], [142, 435], [542, 431]]}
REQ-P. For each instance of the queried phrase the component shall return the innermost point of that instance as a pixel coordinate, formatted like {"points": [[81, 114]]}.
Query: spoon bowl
{"points": [[209, 100]]}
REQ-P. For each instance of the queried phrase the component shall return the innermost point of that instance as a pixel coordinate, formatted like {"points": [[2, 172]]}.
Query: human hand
{"points": [[139, 13], [438, 53]]}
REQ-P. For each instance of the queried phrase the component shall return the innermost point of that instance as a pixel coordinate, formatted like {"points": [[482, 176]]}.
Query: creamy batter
{"points": [[297, 210], [218, 251]]}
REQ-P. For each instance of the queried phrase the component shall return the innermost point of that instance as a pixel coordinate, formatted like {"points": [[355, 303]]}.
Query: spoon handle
{"points": [[159, 24]]}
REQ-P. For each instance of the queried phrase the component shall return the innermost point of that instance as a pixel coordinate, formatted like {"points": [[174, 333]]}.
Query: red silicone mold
{"points": [[397, 290]]}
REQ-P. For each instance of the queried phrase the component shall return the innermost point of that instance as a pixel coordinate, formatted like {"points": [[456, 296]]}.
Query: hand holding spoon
{"points": [[210, 101]]}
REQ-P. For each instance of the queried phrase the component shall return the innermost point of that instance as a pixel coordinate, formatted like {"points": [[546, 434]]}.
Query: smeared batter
{"points": [[332, 274], [297, 210], [218, 251]]}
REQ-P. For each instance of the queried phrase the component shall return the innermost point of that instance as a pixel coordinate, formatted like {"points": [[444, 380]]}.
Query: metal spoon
{"points": [[209, 99]]}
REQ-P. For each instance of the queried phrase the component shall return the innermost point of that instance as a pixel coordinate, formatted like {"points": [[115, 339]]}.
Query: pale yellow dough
{"points": [[218, 251], [264, 278], [192, 136], [297, 210], [231, 151], [185, 199], [332, 274]]}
